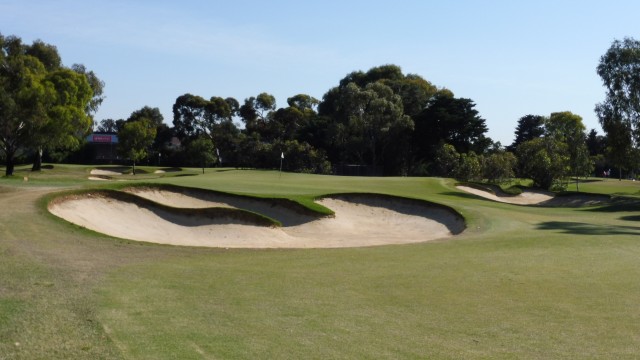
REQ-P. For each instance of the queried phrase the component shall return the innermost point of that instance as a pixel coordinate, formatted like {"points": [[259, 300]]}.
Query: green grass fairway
{"points": [[521, 282]]}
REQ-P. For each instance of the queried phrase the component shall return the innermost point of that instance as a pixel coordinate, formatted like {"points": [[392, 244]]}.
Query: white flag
{"points": [[281, 155]]}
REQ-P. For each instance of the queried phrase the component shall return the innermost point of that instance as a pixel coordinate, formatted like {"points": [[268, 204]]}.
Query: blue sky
{"points": [[511, 58]]}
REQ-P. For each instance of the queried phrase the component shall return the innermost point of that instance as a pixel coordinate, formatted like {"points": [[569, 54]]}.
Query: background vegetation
{"points": [[375, 122]]}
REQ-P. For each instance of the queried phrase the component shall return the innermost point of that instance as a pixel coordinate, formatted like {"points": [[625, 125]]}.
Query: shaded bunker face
{"points": [[286, 212], [211, 219]]}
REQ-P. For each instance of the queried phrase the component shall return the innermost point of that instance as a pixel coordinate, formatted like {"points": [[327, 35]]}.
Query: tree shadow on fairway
{"points": [[619, 204], [577, 228], [630, 218]]}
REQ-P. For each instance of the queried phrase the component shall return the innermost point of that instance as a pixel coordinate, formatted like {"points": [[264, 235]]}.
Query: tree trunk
{"points": [[37, 162], [134, 167], [10, 165]]}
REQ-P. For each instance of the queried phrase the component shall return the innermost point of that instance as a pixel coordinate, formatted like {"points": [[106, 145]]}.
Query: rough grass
{"points": [[520, 282]]}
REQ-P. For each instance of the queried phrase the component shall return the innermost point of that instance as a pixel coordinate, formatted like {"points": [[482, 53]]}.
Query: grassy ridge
{"points": [[520, 282]]}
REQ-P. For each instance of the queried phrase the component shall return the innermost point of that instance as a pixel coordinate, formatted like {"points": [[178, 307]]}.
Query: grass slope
{"points": [[521, 282]]}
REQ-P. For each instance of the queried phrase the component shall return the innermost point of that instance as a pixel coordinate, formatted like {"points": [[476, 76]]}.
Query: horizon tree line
{"points": [[382, 120]]}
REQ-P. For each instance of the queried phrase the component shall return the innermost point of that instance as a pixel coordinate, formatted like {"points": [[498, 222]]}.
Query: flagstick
{"points": [[281, 157]]}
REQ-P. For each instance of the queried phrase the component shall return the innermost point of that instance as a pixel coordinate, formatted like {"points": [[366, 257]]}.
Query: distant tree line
{"points": [[382, 121]]}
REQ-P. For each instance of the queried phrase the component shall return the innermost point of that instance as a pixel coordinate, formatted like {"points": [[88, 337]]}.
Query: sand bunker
{"points": [[359, 220], [104, 172], [542, 198], [528, 197]]}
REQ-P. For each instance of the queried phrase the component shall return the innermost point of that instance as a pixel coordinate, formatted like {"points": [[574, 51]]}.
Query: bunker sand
{"points": [[542, 198], [528, 197], [359, 220]]}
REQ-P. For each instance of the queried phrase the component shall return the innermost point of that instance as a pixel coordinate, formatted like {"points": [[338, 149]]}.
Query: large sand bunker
{"points": [[193, 218]]}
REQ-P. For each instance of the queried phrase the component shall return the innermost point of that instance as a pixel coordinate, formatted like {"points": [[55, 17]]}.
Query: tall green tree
{"points": [[194, 116], [529, 127], [619, 113], [189, 113], [22, 97], [66, 121], [135, 138], [370, 117], [303, 102], [568, 128], [42, 104], [450, 120], [97, 86], [344, 145]]}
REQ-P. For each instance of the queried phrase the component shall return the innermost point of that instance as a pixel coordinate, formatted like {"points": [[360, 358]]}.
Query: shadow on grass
{"points": [[621, 204], [577, 228], [630, 218]]}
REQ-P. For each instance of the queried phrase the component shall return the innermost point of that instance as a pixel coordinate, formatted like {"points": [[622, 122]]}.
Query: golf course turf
{"points": [[519, 282]]}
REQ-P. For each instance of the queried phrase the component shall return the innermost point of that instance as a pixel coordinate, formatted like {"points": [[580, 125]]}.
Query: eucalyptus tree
{"points": [[370, 119], [189, 113], [97, 86], [194, 117], [256, 114], [303, 102], [43, 105], [619, 113], [66, 117], [406, 96]]}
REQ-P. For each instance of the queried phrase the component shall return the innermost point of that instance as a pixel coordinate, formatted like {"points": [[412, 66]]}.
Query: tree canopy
{"points": [[619, 113], [43, 105], [449, 120], [135, 138], [529, 127], [382, 119]]}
